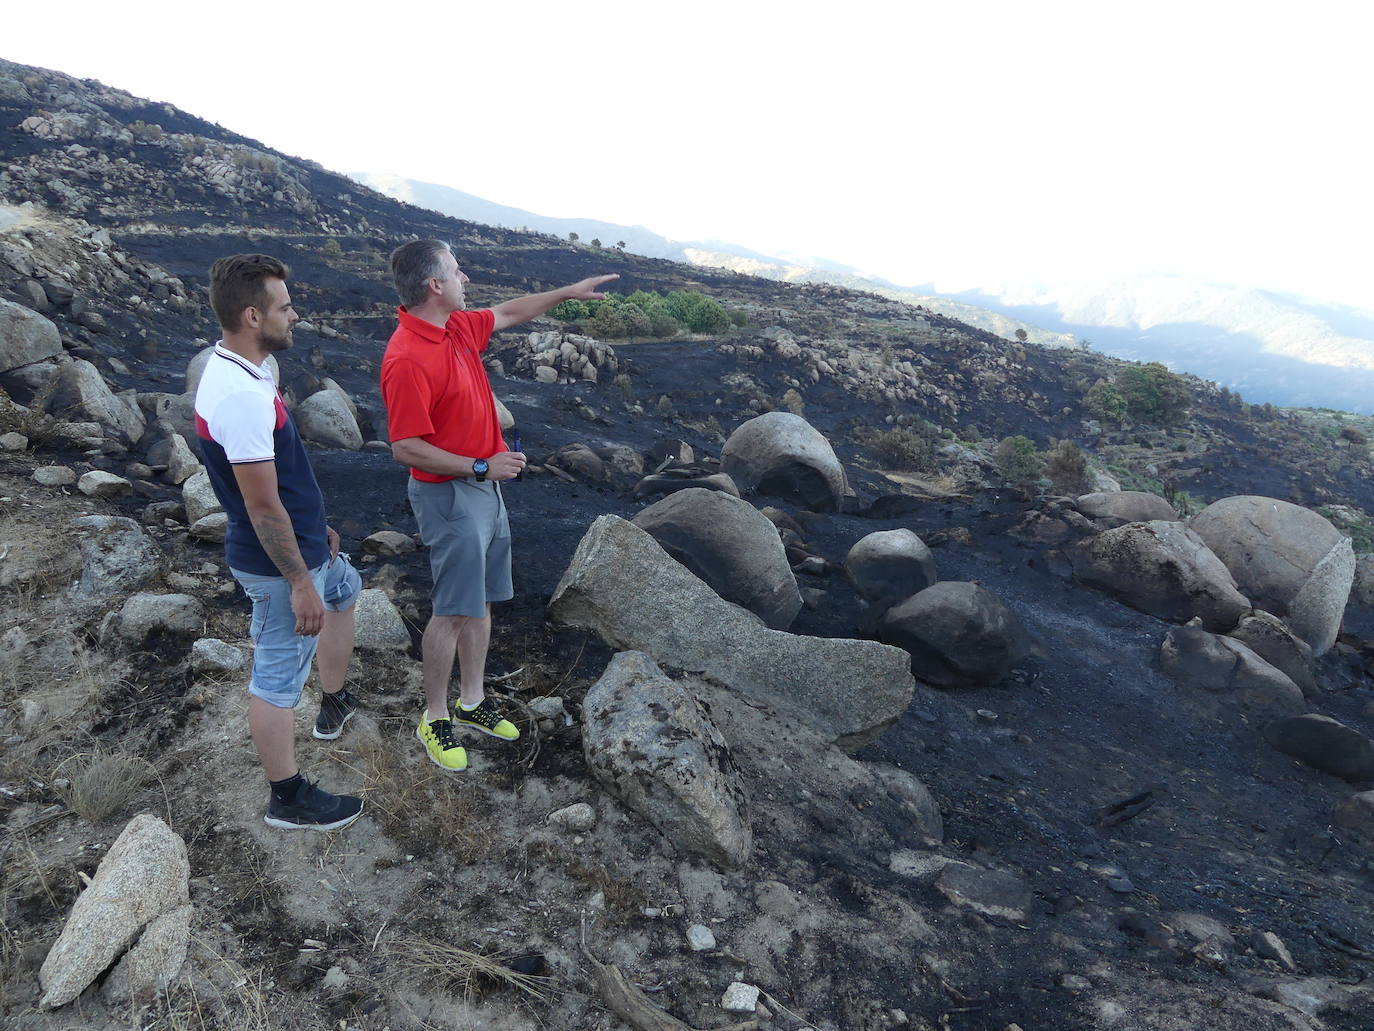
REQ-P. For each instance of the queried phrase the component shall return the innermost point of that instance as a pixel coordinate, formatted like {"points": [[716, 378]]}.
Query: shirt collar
{"points": [[427, 331], [256, 371]]}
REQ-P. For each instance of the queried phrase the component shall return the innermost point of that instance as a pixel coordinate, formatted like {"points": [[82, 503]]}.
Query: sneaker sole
{"points": [[287, 825], [484, 730], [436, 762], [334, 736]]}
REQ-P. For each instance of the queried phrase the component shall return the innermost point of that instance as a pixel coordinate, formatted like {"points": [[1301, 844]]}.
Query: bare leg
{"points": [[274, 735], [473, 640], [335, 649], [438, 647]]}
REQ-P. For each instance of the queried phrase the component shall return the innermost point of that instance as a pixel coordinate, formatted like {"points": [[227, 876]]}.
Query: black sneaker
{"points": [[314, 809], [335, 710]]}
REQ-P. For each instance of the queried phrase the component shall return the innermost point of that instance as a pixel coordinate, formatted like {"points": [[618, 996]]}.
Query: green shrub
{"points": [[1067, 468], [1154, 394], [569, 311], [1019, 462], [1104, 401], [332, 249], [910, 448], [665, 407], [636, 323], [626, 388]]}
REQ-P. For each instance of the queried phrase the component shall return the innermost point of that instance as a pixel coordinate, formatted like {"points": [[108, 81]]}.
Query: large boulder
{"points": [[25, 336], [173, 454], [144, 875], [145, 613], [684, 478], [1195, 658], [1162, 568], [325, 418], [117, 557], [80, 394], [195, 368], [1288, 559], [653, 746], [729, 544], [1324, 743], [889, 566], [1125, 506], [622, 586], [378, 625], [958, 634], [1272, 640], [782, 454]]}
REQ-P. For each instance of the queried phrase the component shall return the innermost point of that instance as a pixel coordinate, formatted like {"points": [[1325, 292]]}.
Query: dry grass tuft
{"points": [[461, 970], [100, 784]]}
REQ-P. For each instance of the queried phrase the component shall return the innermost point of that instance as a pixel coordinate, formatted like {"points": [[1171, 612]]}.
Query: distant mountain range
{"points": [[1270, 347]]}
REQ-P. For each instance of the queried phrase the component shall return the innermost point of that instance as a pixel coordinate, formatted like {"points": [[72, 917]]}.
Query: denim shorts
{"points": [[281, 657], [465, 526]]}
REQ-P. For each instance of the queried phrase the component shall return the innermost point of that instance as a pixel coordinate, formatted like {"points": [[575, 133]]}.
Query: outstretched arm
{"points": [[531, 306]]}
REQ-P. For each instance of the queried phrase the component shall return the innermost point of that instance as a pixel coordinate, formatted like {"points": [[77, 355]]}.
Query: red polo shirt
{"points": [[436, 388]]}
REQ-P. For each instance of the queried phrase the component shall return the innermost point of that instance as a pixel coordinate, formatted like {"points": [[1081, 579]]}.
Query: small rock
{"points": [[100, 484], [335, 978], [1074, 983], [1270, 946], [211, 528], [700, 938], [54, 476], [577, 818], [388, 542], [1121, 884], [13, 442], [210, 655], [740, 998]]}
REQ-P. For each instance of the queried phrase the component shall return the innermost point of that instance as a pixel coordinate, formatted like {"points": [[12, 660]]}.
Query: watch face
{"points": [[480, 467]]}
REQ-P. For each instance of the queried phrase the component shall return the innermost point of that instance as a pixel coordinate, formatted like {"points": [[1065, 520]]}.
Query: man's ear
{"points": [[252, 318]]}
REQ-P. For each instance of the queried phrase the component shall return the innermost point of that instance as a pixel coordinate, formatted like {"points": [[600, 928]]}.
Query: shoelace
{"points": [[485, 714], [443, 733]]}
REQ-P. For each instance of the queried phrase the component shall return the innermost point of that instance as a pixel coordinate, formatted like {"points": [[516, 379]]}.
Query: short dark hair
{"points": [[413, 265], [236, 282]]}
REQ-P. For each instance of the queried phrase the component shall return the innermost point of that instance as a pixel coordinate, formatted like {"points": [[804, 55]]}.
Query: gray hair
{"points": [[413, 265]]}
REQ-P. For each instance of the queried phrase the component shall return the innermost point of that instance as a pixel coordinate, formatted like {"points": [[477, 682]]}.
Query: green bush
{"points": [[569, 311], [665, 407], [1154, 394], [1067, 468], [1104, 401], [332, 249], [637, 324], [910, 448], [1019, 462]]}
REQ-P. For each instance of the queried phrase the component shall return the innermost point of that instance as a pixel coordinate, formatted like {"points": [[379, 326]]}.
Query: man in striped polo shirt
{"points": [[277, 544]]}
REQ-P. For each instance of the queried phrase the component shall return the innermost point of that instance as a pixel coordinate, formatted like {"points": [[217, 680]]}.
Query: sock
{"points": [[284, 791], [469, 708], [434, 719]]}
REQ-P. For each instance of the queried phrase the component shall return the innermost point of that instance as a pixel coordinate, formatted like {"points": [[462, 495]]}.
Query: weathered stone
{"points": [[198, 495], [1162, 568], [13, 442], [1324, 744], [671, 480], [117, 557], [54, 476], [377, 623], [889, 566], [1196, 658], [1270, 639], [1288, 559], [580, 460], [1270, 946], [991, 893], [99, 484], [211, 655], [80, 393], [652, 745], [782, 454], [621, 585], [577, 818], [154, 961], [25, 336], [503, 415], [731, 546], [740, 998], [388, 543], [211, 528], [957, 634], [144, 875], [1126, 506], [144, 614], [622, 459], [182, 462], [325, 418], [545, 374]]}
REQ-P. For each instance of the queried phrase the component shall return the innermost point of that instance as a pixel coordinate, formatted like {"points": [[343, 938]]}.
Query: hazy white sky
{"points": [[960, 143]]}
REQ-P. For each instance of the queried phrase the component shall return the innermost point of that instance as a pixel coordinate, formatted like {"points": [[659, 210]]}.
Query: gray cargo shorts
{"points": [[464, 525]]}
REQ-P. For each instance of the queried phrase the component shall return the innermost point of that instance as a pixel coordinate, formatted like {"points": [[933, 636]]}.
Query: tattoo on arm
{"points": [[278, 538]]}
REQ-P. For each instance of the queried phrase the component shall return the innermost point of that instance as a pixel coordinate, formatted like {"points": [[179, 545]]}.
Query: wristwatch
{"points": [[479, 469]]}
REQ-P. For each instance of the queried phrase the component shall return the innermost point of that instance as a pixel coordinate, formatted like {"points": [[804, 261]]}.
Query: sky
{"points": [[955, 144]]}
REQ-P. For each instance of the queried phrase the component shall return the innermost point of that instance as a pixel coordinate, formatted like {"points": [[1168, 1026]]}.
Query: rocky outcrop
{"points": [[1324, 744], [81, 394], [958, 634], [555, 357], [144, 876], [1162, 568], [653, 746], [684, 478], [25, 337], [326, 418], [377, 623], [154, 961], [889, 566], [782, 454], [198, 495], [116, 557], [145, 614], [622, 586], [1288, 559], [1271, 639], [1197, 659], [731, 546], [1125, 506]]}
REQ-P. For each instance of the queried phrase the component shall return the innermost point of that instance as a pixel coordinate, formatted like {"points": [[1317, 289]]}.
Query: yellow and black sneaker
{"points": [[443, 748], [487, 718]]}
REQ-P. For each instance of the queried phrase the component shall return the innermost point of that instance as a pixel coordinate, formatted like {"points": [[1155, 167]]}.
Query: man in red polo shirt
{"points": [[443, 424]]}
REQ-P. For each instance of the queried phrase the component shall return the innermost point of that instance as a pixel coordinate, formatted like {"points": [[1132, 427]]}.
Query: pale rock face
{"points": [[731, 546], [145, 875], [378, 624], [958, 634], [889, 566], [782, 453], [1288, 559], [652, 745], [325, 418], [81, 394], [117, 557], [25, 336], [211, 655], [1222, 665], [624, 587], [144, 614], [99, 484], [1126, 506], [198, 495]]}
